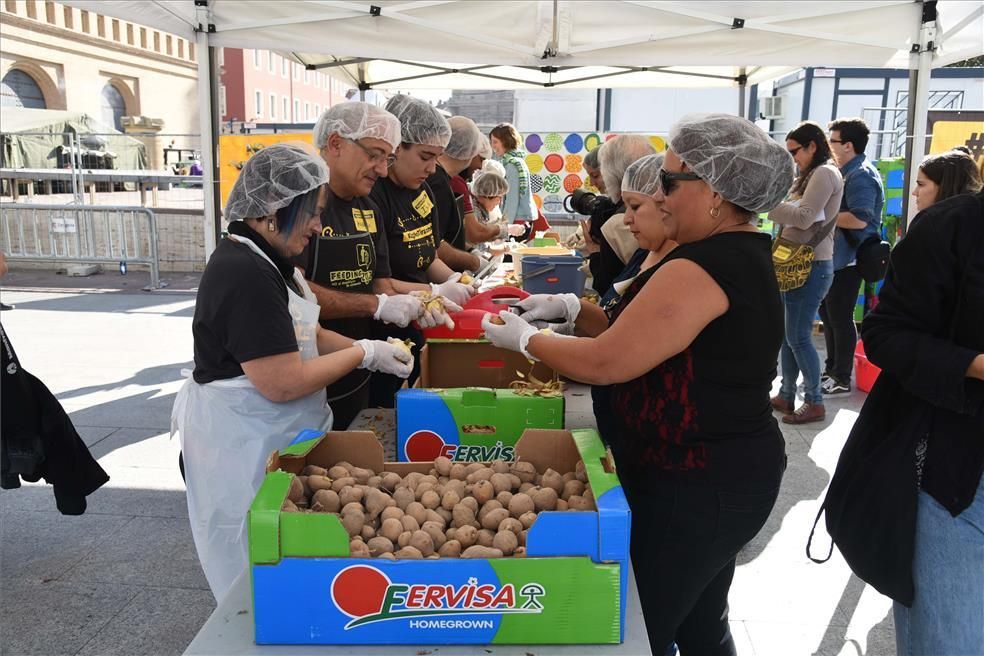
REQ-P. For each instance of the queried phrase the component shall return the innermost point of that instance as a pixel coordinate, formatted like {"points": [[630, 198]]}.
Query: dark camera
{"points": [[581, 202]]}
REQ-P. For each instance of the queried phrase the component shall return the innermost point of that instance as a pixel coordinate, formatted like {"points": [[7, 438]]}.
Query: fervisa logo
{"points": [[428, 445], [367, 595]]}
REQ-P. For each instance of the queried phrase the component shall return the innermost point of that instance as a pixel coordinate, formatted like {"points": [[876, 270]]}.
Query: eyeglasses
{"points": [[668, 180], [837, 141], [375, 156], [793, 151]]}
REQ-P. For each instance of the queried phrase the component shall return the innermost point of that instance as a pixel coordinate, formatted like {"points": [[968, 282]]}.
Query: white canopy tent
{"points": [[546, 43]]}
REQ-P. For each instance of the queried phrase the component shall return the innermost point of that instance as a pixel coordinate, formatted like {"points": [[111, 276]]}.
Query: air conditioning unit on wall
{"points": [[771, 107]]}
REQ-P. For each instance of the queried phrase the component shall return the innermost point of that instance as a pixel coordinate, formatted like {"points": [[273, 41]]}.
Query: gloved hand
{"points": [[400, 309], [453, 290], [562, 308], [385, 358], [511, 230], [437, 315], [514, 335]]}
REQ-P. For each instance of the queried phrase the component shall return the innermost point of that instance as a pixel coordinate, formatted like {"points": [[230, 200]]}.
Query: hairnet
{"points": [[272, 178], [591, 159], [736, 158], [465, 138], [490, 180], [356, 120], [642, 176], [485, 148], [616, 155], [419, 122]]}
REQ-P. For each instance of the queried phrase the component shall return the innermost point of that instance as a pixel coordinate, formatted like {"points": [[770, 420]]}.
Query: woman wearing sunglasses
{"points": [[691, 351], [807, 217]]}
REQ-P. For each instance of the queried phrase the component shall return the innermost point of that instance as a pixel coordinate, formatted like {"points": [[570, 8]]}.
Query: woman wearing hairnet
{"points": [[488, 187], [261, 360], [412, 224], [691, 352]]}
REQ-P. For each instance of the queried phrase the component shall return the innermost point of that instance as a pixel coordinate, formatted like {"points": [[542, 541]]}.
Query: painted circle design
{"points": [[538, 202], [554, 162], [423, 445], [551, 184], [658, 143], [536, 183], [553, 203], [554, 142], [534, 163], [592, 141], [572, 182], [533, 143], [573, 163], [573, 143], [359, 590]]}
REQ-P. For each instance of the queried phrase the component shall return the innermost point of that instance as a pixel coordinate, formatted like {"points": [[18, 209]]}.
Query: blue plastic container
{"points": [[553, 274]]}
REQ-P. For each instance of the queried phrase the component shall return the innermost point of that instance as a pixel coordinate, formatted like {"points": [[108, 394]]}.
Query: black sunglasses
{"points": [[668, 180], [793, 151]]}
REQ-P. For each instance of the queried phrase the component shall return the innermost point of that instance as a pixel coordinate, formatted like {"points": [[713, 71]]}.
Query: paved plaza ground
{"points": [[124, 578]]}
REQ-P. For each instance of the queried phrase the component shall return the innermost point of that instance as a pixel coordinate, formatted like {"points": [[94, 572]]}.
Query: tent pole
{"points": [[362, 82], [205, 83], [742, 81], [920, 72]]}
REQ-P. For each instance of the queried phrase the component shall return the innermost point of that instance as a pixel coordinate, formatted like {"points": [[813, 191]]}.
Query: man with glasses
{"points": [[348, 266], [859, 218]]}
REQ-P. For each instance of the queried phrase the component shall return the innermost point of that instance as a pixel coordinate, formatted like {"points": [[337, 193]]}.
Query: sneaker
{"points": [[805, 414], [824, 377], [834, 386], [780, 404]]}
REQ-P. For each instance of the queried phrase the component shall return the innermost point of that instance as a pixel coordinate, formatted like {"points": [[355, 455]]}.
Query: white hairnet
{"points": [[357, 120], [616, 155], [485, 148], [465, 138], [490, 180], [642, 176], [419, 122], [591, 159], [736, 158], [272, 178]]}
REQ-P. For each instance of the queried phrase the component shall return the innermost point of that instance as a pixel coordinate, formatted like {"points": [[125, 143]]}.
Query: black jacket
{"points": [[605, 264], [935, 287], [38, 440]]}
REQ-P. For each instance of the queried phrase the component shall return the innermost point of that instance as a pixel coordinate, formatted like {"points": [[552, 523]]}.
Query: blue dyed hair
{"points": [[304, 204]]}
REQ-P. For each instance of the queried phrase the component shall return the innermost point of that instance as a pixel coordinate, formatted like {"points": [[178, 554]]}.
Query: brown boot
{"points": [[781, 404], [806, 413]]}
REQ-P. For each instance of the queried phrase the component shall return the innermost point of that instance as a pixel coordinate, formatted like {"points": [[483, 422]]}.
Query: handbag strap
{"points": [[821, 234]]}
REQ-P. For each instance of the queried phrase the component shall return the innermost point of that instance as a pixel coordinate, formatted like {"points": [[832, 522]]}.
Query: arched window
{"points": [[113, 107], [18, 89]]}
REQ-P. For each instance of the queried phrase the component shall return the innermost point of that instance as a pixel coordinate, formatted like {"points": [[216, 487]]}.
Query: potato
{"points": [[572, 487], [538, 480], [391, 529], [510, 524], [588, 494], [527, 519], [489, 506], [462, 515], [522, 537], [376, 502], [526, 487], [450, 500], [483, 491], [520, 504], [346, 464], [553, 479], [450, 533], [390, 512], [386, 555], [379, 545], [482, 474], [505, 541], [501, 483], [485, 537], [580, 472], [404, 539], [466, 535], [353, 523], [340, 484], [561, 505], [422, 487], [524, 470], [456, 486], [350, 495], [504, 497], [409, 553], [411, 479], [473, 467], [569, 476], [493, 518], [368, 532], [443, 465], [359, 549], [576, 502], [422, 542], [403, 496], [338, 472], [434, 516], [430, 499], [477, 551], [314, 469], [499, 466], [545, 499], [289, 506], [353, 507], [409, 523], [316, 482], [470, 502], [416, 510], [458, 471], [390, 481], [325, 501], [296, 491], [520, 552], [515, 481], [450, 549], [375, 481], [361, 475], [436, 531]]}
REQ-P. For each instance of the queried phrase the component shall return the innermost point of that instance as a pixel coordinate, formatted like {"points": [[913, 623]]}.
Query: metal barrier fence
{"points": [[98, 234]]}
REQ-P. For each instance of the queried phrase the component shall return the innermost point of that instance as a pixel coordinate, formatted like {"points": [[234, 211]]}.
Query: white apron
{"points": [[227, 431]]}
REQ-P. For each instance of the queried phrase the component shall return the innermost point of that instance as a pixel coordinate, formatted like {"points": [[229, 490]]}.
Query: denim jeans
{"points": [[947, 614], [798, 354]]}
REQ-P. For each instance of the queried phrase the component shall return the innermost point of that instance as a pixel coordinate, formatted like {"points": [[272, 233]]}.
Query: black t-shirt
{"points": [[452, 230], [241, 312], [703, 416], [410, 219]]}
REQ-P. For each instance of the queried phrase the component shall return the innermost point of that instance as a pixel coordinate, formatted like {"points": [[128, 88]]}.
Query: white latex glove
{"points": [[385, 358], [550, 307], [453, 290], [400, 309], [437, 316], [514, 335]]}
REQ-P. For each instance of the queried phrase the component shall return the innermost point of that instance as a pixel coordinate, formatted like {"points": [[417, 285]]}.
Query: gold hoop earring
{"points": [[271, 225], [715, 212]]}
